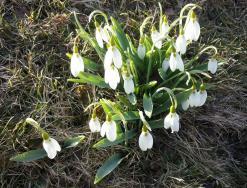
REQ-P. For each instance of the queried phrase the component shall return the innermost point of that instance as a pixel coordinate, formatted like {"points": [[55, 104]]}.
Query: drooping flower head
{"points": [[141, 50], [203, 95], [165, 64], [112, 76], [156, 38], [145, 139], [192, 27], [212, 65], [181, 43], [113, 56], [94, 123], [164, 27], [50, 145], [176, 62], [129, 86], [194, 98], [76, 64], [101, 34], [172, 120], [109, 128]]}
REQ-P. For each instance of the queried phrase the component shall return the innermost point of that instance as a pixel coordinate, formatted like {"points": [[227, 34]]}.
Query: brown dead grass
{"points": [[210, 150]]}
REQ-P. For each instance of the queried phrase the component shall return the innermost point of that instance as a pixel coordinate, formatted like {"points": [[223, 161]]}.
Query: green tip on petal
{"points": [[45, 136], [172, 109], [75, 49], [193, 87], [165, 19], [193, 15], [112, 42], [141, 41], [153, 28], [144, 128], [96, 24]]}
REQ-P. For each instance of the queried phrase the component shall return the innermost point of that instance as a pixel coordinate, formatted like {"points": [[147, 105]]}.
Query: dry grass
{"points": [[211, 149]]}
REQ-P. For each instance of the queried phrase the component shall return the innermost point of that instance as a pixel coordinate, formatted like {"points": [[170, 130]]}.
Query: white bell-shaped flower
{"points": [[94, 124], [212, 65], [112, 76], [185, 104], [192, 27], [181, 44], [129, 86], [203, 95], [50, 145], [76, 64], [172, 120], [176, 62], [145, 140], [109, 128], [98, 36], [141, 51], [164, 27], [194, 99], [156, 38], [165, 65], [113, 55]]}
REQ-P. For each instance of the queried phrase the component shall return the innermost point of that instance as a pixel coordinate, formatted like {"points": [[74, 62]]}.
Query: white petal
{"points": [[181, 44], [141, 51], [212, 65], [104, 128], [179, 63], [117, 57], [189, 30], [113, 77], [185, 104], [150, 141], [99, 38], [129, 85], [55, 144], [105, 34], [167, 121], [108, 58], [194, 99], [196, 30], [49, 148], [172, 62], [157, 39], [111, 131], [203, 97], [94, 125], [76, 65], [165, 65], [174, 122], [143, 141], [164, 29]]}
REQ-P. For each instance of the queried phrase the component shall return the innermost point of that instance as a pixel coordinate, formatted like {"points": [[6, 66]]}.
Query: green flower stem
{"points": [[171, 95], [165, 81], [36, 125], [149, 65]]}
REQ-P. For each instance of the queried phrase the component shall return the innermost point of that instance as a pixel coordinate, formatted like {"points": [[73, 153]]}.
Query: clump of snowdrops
{"points": [[151, 79]]}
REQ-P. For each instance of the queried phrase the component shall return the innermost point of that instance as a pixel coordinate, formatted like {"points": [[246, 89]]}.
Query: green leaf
{"points": [[106, 105], [109, 165], [156, 124], [103, 143], [147, 105], [128, 116], [29, 156], [90, 79], [91, 65], [132, 98], [74, 141]]}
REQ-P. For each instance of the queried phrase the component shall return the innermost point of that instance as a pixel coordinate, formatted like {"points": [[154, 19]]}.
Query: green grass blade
{"points": [[73, 141], [29, 156]]}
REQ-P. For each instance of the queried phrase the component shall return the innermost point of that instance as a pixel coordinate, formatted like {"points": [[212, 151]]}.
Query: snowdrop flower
{"points": [[101, 35], [185, 104], [113, 55], [112, 76], [203, 95], [145, 139], [172, 120], [181, 44], [50, 145], [212, 65], [77, 64], [165, 65], [109, 128], [194, 98], [164, 27], [141, 50], [128, 83], [192, 27], [94, 123], [176, 62], [156, 38]]}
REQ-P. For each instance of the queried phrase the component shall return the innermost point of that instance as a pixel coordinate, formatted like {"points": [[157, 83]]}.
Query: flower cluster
{"points": [[128, 67]]}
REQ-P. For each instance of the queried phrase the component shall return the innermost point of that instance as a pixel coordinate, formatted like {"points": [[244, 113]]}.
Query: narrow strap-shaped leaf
{"points": [[73, 141], [128, 116], [109, 165], [91, 65], [29, 156], [156, 124], [147, 105], [103, 143], [90, 79]]}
